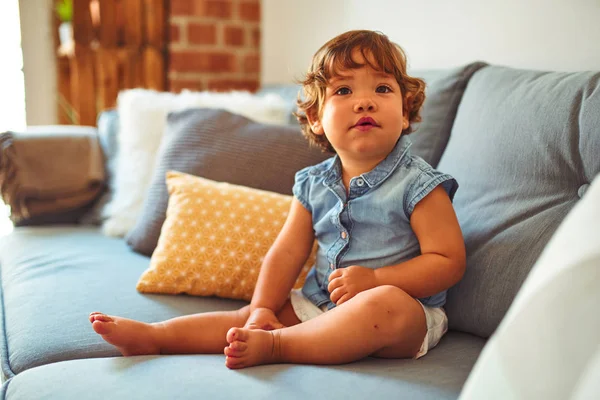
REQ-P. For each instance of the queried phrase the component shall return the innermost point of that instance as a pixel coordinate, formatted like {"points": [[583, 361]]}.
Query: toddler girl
{"points": [[389, 241]]}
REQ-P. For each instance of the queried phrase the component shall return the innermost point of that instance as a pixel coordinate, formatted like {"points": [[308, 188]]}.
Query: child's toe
{"points": [[239, 346], [229, 352], [236, 349], [234, 362], [237, 334], [101, 317]]}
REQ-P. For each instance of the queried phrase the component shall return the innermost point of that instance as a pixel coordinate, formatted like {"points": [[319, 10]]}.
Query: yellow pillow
{"points": [[214, 239]]}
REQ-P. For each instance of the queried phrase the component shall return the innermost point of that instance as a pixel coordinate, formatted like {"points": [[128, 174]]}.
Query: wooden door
{"points": [[118, 44]]}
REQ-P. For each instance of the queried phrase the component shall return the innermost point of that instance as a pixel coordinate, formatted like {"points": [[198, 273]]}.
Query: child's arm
{"points": [[441, 264], [284, 260]]}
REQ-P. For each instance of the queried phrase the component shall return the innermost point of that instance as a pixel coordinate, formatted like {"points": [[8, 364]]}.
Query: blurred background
{"points": [[64, 61]]}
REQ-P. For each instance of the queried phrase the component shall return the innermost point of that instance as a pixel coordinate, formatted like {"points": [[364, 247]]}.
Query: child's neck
{"points": [[352, 168]]}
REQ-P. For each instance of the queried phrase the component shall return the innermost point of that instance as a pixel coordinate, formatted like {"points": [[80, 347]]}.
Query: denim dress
{"points": [[369, 226]]}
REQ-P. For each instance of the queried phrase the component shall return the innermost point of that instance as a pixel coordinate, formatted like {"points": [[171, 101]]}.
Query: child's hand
{"points": [[263, 318], [345, 283]]}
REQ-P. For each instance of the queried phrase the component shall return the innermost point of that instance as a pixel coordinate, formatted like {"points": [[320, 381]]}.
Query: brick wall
{"points": [[214, 45]]}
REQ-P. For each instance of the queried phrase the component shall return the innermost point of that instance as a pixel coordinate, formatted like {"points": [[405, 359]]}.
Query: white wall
{"points": [[562, 35], [39, 64], [12, 93]]}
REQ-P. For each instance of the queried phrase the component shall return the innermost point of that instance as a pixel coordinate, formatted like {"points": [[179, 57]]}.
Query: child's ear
{"points": [[315, 123], [405, 122]]}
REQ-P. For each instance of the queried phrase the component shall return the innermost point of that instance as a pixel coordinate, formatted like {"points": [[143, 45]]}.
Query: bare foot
{"points": [[249, 347], [129, 336]]}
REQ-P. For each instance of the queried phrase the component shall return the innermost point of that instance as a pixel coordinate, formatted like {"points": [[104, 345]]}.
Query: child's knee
{"points": [[389, 300], [385, 294]]}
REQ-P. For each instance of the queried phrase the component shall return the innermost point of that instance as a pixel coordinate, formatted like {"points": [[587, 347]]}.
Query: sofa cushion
{"points": [[215, 238], [559, 301], [53, 277], [219, 145], [443, 93], [108, 132], [524, 147], [142, 121], [438, 375]]}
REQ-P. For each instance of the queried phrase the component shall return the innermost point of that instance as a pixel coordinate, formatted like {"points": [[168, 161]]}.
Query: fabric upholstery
{"points": [[443, 93], [53, 277], [215, 238], [99, 274], [47, 170], [108, 134], [546, 345], [439, 375], [142, 123], [522, 164], [225, 147]]}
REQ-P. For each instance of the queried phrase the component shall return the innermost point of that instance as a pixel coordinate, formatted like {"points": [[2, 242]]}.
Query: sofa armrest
{"points": [[51, 174]]}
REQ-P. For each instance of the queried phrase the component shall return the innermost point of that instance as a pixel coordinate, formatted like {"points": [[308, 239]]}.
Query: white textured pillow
{"points": [[547, 345], [142, 119]]}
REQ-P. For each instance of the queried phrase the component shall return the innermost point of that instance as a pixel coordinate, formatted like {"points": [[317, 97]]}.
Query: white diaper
{"points": [[437, 326], [437, 321], [303, 307]]}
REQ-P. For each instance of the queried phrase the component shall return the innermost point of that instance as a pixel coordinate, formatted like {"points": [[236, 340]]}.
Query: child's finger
{"points": [[335, 283], [337, 294], [344, 299], [335, 274]]}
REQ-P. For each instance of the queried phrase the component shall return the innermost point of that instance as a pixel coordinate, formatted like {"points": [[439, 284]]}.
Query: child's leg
{"points": [[383, 321], [198, 333]]}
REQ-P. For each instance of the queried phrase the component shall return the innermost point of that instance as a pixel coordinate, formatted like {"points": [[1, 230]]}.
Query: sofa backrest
{"points": [[524, 147], [108, 129], [444, 89]]}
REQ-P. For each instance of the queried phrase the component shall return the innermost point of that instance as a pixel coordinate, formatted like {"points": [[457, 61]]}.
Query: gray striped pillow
{"points": [[218, 145]]}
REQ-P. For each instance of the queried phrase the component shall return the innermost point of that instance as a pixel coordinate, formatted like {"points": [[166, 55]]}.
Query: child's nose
{"points": [[364, 105]]}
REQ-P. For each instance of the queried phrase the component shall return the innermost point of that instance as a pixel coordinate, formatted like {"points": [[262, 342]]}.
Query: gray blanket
{"points": [[44, 172]]}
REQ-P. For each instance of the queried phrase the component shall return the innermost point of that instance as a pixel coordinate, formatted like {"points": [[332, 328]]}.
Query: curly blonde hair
{"points": [[335, 56]]}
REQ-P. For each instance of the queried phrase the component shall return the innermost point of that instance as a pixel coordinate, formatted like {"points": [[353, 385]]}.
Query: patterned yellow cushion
{"points": [[215, 238]]}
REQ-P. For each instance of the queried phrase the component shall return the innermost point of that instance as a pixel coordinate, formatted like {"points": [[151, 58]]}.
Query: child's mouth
{"points": [[365, 124], [365, 127]]}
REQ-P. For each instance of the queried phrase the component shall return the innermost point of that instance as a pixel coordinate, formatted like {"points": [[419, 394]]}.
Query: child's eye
{"points": [[343, 91], [383, 89]]}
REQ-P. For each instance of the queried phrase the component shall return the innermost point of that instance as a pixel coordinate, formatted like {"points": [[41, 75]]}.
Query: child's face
{"points": [[362, 113]]}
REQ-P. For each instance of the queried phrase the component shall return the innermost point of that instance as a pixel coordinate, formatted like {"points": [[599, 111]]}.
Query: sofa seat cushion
{"points": [[438, 375], [53, 277]]}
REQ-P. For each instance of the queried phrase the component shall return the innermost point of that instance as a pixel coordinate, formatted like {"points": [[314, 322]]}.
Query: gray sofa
{"points": [[523, 146]]}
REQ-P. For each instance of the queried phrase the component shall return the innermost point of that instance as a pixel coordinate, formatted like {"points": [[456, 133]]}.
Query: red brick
{"points": [[202, 61], [224, 85], [256, 37], [202, 8], [252, 63], [177, 85], [250, 11], [202, 33], [234, 36], [217, 8], [182, 7], [174, 33]]}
